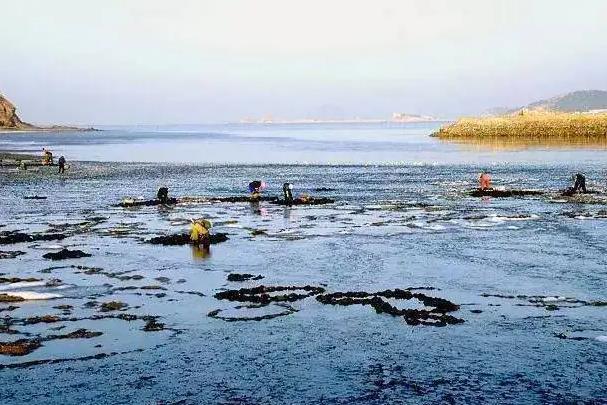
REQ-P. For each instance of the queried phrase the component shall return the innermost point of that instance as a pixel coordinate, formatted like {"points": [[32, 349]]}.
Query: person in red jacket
{"points": [[484, 181]]}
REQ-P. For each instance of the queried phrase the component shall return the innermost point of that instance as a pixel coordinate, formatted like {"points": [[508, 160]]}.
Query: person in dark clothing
{"points": [[580, 183], [163, 195], [255, 188], [61, 163], [287, 191]]}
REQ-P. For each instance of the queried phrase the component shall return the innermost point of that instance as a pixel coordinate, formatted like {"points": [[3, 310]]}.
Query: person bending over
{"points": [[484, 181], [163, 195], [579, 184]]}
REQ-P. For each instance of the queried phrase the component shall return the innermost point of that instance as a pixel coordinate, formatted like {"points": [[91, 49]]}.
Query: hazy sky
{"points": [[181, 61]]}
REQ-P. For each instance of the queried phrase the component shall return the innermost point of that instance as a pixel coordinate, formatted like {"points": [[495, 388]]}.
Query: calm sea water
{"points": [[402, 219], [358, 144]]}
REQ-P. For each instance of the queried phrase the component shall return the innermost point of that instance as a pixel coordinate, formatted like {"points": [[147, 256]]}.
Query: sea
{"points": [[528, 274]]}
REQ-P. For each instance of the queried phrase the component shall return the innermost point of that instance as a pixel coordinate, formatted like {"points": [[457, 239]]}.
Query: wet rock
{"points": [[476, 311], [4, 280], [19, 347], [198, 293], [127, 317], [262, 294], [238, 199], [112, 306], [66, 254], [64, 307], [184, 239], [10, 298], [563, 336], [77, 334], [152, 287], [164, 280], [504, 193], [125, 278], [12, 237], [8, 308], [147, 203], [323, 189], [41, 319], [306, 201], [11, 254], [153, 326], [243, 277], [34, 197], [258, 232]]}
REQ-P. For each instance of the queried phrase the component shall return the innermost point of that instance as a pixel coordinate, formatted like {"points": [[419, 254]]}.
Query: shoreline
{"points": [[49, 129]]}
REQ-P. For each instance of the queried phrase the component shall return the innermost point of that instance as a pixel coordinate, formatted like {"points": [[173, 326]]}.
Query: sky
{"points": [[196, 61]]}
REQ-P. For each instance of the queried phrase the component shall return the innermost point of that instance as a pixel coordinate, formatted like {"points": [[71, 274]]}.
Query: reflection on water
{"points": [[335, 144], [200, 253], [498, 144]]}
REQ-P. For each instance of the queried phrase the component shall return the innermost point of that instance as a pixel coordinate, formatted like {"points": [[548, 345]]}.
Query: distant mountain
{"points": [[582, 100]]}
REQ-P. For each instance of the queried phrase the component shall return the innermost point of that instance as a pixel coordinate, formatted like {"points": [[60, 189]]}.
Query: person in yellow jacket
{"points": [[199, 235]]}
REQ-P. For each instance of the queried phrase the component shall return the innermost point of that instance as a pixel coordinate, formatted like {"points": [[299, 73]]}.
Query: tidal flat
{"points": [[406, 288]]}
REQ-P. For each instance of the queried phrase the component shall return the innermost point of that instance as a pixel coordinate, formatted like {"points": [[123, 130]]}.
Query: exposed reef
{"points": [[10, 254], [184, 239], [243, 277], [66, 254], [146, 203], [262, 294], [436, 313], [11, 237], [305, 201], [504, 193]]}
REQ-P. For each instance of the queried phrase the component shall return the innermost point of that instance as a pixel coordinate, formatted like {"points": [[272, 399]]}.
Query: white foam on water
{"points": [[553, 299], [49, 247], [429, 227], [32, 295], [601, 338], [22, 284]]}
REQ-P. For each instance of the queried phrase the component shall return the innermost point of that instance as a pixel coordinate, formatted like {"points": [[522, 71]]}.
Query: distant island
{"points": [[396, 118], [10, 121], [574, 117]]}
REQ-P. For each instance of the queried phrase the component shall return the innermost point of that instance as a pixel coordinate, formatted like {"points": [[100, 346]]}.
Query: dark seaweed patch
{"points": [[435, 316], [11, 237], [287, 310], [184, 239], [112, 306], [10, 254], [261, 294], [4, 280], [504, 193], [66, 254], [306, 201], [147, 203], [237, 199], [243, 277]]}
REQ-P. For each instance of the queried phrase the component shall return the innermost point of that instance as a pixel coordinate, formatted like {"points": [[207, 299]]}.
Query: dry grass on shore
{"points": [[530, 125]]}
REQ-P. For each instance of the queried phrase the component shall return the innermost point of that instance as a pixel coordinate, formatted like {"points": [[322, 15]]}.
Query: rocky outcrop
{"points": [[8, 116]]}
